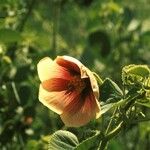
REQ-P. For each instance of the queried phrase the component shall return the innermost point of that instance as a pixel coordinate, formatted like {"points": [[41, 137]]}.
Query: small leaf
{"points": [[134, 24], [106, 107], [7, 59], [63, 140], [89, 143], [109, 90]]}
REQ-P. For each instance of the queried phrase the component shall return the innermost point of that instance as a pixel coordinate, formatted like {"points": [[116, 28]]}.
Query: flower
{"points": [[69, 89]]}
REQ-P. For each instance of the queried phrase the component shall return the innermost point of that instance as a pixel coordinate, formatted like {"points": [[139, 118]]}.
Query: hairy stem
{"points": [[133, 99], [115, 131], [110, 135], [110, 122]]}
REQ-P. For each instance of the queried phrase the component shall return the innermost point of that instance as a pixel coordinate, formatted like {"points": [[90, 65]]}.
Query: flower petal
{"points": [[94, 84], [56, 101], [69, 63], [80, 111], [48, 69], [55, 84], [74, 64], [44, 69]]}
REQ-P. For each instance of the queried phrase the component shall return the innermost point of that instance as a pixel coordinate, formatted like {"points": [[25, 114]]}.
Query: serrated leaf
{"points": [[109, 90], [8, 35], [89, 143], [141, 70], [133, 74], [63, 140]]}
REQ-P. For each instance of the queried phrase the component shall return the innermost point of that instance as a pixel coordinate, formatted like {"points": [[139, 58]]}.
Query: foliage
{"points": [[105, 35], [127, 110]]}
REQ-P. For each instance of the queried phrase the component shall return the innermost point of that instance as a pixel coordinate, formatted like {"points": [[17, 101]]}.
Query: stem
{"points": [[115, 131], [132, 100], [15, 92], [110, 135], [110, 122], [22, 144], [104, 143]]}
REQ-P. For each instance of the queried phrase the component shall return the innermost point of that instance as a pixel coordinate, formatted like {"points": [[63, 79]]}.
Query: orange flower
{"points": [[69, 89]]}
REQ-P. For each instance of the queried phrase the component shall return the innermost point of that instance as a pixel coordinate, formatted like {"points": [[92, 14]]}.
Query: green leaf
{"points": [[22, 73], [134, 24], [114, 7], [89, 143], [100, 41], [110, 91], [145, 101], [63, 140], [8, 35], [106, 107], [135, 74], [32, 145], [141, 70]]}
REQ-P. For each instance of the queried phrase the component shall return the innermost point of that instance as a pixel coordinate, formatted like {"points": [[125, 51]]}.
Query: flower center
{"points": [[77, 84]]}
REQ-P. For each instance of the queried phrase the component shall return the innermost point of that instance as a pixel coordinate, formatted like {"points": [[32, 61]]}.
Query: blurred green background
{"points": [[104, 34]]}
